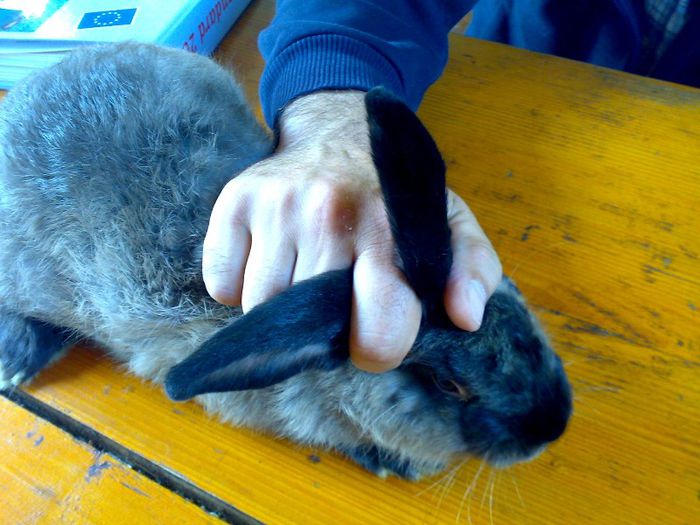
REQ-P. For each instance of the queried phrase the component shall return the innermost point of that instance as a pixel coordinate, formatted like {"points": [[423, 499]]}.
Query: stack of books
{"points": [[37, 33]]}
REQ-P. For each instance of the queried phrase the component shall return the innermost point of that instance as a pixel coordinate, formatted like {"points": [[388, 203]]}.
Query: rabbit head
{"points": [[504, 381]]}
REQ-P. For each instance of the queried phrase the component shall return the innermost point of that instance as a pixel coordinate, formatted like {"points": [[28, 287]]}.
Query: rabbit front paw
{"points": [[383, 463], [26, 346]]}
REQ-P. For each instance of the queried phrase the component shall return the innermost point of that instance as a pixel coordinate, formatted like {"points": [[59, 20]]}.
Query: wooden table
{"points": [[588, 183]]}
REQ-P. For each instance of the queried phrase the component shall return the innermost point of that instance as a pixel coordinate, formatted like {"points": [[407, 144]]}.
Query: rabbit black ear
{"points": [[305, 327], [412, 176]]}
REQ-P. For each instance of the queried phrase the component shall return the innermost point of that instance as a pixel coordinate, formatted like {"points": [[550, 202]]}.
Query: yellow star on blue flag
{"points": [[113, 17]]}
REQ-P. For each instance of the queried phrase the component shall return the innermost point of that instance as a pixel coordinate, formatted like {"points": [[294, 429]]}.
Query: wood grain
{"points": [[587, 182], [47, 477]]}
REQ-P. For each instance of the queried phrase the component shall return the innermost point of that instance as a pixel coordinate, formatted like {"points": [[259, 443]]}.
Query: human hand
{"points": [[315, 205]]}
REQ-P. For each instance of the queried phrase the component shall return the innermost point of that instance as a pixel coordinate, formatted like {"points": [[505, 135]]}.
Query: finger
{"points": [[269, 267], [476, 269], [225, 250], [386, 315]]}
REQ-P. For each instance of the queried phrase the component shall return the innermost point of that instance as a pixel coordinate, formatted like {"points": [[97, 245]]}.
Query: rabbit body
{"points": [[110, 163], [110, 166]]}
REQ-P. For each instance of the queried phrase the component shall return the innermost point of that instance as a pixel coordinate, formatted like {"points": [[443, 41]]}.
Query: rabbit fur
{"points": [[110, 163]]}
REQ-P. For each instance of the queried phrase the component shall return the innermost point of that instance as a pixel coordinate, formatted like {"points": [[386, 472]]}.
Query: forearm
{"points": [[314, 44]]}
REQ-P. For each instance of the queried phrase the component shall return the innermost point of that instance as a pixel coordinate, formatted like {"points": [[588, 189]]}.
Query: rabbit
{"points": [[110, 163]]}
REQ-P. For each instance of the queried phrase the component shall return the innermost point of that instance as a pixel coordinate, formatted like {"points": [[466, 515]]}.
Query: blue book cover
{"points": [[36, 34]]}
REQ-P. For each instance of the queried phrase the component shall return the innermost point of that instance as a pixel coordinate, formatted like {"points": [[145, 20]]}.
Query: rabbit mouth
{"points": [[495, 459], [503, 453], [501, 460]]}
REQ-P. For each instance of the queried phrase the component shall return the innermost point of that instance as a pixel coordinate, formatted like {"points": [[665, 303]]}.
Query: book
{"points": [[37, 33]]}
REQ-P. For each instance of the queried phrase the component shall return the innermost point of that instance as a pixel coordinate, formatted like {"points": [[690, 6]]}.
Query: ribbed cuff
{"points": [[324, 61]]}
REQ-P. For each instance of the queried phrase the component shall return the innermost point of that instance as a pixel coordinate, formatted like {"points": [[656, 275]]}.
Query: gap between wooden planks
{"points": [[48, 477]]}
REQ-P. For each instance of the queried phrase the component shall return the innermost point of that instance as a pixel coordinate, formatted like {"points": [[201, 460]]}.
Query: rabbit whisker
{"points": [[533, 253], [483, 495], [448, 487], [567, 364], [588, 418], [467, 493], [471, 499], [493, 487], [613, 389], [439, 480], [517, 489], [586, 402], [572, 362]]}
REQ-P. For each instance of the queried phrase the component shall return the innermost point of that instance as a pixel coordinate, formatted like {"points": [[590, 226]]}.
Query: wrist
{"points": [[324, 116], [317, 62], [330, 130]]}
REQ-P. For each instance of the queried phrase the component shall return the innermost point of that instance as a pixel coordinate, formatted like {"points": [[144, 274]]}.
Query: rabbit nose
{"points": [[542, 425], [547, 421]]}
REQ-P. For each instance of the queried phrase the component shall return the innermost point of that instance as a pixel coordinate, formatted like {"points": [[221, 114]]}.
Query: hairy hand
{"points": [[315, 205]]}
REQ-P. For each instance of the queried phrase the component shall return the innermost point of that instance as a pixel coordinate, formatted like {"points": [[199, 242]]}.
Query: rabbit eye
{"points": [[448, 386]]}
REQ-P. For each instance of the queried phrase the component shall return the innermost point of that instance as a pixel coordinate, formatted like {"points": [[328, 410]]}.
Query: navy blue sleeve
{"points": [[316, 44]]}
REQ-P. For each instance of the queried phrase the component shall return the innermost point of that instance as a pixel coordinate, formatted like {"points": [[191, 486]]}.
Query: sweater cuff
{"points": [[325, 61]]}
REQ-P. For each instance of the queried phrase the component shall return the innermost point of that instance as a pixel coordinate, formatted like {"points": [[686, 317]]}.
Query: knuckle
{"points": [[234, 187], [275, 199], [272, 193], [231, 206], [334, 207], [286, 202]]}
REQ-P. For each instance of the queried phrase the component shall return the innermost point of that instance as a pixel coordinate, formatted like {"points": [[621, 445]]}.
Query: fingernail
{"points": [[477, 301]]}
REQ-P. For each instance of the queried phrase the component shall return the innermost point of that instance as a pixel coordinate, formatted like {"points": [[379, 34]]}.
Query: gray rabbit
{"points": [[110, 163]]}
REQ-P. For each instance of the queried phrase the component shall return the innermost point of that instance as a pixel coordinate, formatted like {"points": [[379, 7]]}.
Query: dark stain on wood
{"points": [[690, 254], [526, 234], [650, 270], [665, 226], [637, 338], [96, 469]]}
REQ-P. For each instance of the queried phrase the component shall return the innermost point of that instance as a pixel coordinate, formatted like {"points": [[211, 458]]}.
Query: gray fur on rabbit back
{"points": [[110, 163]]}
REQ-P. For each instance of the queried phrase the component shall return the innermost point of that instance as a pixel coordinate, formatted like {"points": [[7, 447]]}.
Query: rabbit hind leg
{"points": [[27, 345]]}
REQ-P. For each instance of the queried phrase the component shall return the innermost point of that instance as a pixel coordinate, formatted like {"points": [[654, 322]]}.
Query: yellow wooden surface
{"points": [[586, 180], [46, 477]]}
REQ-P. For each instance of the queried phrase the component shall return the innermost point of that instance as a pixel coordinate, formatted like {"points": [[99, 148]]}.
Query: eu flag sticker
{"points": [[114, 17]]}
